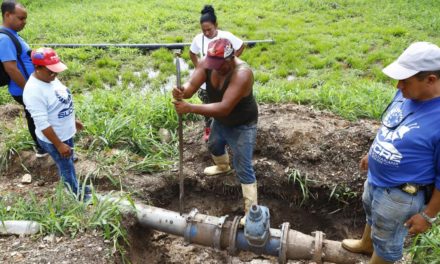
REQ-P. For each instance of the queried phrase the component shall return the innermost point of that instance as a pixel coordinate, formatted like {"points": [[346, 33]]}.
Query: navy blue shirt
{"points": [[407, 146], [9, 53]]}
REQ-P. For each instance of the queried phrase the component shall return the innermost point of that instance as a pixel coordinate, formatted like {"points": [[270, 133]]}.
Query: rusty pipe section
{"points": [[225, 234]]}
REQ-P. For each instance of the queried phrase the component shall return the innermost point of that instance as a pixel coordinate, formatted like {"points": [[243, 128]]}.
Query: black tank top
{"points": [[245, 112]]}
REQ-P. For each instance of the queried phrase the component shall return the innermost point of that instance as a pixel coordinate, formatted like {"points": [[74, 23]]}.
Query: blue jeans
{"points": [[66, 169], [241, 139], [387, 209]]}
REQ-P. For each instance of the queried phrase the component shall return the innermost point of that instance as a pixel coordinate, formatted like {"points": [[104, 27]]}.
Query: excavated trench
{"points": [[306, 165], [337, 220]]}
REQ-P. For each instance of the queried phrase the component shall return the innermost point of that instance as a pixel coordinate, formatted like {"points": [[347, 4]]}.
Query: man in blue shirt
{"points": [[14, 20], [402, 191]]}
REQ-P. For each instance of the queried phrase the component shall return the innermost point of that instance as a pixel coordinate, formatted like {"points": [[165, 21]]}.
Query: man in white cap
{"points": [[402, 191], [51, 106]]}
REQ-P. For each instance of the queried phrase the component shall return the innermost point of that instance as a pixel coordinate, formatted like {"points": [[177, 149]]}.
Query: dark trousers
{"points": [[30, 121]]}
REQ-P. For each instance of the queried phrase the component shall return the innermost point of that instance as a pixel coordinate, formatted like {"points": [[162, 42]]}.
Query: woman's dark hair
{"points": [[208, 15]]}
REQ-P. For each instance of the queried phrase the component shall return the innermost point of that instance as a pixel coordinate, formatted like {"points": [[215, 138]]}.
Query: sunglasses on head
{"points": [[392, 123]]}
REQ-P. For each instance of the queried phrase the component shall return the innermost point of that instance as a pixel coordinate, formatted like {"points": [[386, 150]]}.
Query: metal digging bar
{"points": [[224, 234], [151, 46]]}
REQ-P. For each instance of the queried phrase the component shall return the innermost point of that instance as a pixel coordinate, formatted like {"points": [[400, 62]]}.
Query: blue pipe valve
{"points": [[257, 226]]}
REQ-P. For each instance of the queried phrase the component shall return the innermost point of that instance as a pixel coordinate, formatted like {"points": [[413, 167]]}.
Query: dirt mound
{"points": [[10, 111]]}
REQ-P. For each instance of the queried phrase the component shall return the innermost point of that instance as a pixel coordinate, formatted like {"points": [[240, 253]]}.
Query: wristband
{"points": [[428, 219]]}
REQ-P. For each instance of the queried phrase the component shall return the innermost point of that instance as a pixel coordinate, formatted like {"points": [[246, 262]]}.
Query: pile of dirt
{"points": [[306, 163]]}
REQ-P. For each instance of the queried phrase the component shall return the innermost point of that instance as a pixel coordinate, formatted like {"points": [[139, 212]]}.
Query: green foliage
{"points": [[426, 247], [14, 142], [303, 182], [342, 194], [4, 96], [61, 213]]}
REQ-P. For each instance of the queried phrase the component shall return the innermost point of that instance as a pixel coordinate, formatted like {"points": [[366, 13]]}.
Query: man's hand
{"points": [[79, 126], [363, 164], [64, 150], [182, 107], [177, 94], [417, 224]]}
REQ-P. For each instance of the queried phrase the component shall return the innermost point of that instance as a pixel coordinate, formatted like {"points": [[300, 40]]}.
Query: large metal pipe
{"points": [[220, 233], [151, 46]]}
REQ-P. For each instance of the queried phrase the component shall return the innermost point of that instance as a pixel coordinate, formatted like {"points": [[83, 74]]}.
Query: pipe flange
{"points": [[282, 256], [317, 252], [190, 217], [189, 221], [218, 232], [232, 250]]}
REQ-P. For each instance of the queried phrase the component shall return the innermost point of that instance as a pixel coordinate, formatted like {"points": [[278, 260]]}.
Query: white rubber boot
{"points": [[221, 165], [250, 197]]}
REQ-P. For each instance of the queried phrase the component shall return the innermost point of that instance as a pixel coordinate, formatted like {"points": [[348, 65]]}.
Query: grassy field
{"points": [[327, 53]]}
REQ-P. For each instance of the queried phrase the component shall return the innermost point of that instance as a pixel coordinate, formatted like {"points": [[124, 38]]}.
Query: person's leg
{"points": [[31, 127], [66, 168], [365, 244], [217, 147], [242, 139], [390, 209]]}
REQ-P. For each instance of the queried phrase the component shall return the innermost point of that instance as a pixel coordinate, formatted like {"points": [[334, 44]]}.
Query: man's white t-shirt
{"points": [[50, 104], [200, 43]]}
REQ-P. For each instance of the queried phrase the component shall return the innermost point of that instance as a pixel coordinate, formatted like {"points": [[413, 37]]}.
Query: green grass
{"points": [[426, 247], [60, 213], [327, 53]]}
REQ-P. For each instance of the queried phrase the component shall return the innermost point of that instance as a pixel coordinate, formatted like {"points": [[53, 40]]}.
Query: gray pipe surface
{"points": [[215, 232]]}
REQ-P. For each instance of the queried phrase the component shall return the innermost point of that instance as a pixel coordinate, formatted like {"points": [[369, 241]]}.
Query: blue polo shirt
{"points": [[407, 146], [9, 53]]}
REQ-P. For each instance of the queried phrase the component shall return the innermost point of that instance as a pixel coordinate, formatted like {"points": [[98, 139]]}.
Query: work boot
{"points": [[375, 259], [363, 245], [221, 165], [250, 197]]}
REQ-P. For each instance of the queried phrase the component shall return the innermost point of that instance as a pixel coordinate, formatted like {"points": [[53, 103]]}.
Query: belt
{"points": [[412, 188]]}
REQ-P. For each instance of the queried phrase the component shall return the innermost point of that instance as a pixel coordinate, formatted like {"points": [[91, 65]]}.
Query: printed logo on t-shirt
{"points": [[383, 149], [65, 97]]}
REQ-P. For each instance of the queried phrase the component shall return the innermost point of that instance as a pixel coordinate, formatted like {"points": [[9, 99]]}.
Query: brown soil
{"points": [[321, 147]]}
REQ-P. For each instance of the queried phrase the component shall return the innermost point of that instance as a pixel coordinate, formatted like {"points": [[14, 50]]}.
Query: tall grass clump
{"points": [[426, 247], [14, 141], [131, 121], [61, 213], [4, 96]]}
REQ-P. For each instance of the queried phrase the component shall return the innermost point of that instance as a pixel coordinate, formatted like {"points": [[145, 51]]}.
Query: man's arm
{"points": [[14, 73], [192, 85], [239, 51], [62, 148], [417, 224]]}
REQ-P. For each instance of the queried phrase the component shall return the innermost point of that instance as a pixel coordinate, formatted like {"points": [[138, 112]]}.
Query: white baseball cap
{"points": [[419, 56]]}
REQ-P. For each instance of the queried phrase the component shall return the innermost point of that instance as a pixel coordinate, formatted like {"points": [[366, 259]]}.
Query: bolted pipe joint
{"points": [[257, 226]]}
